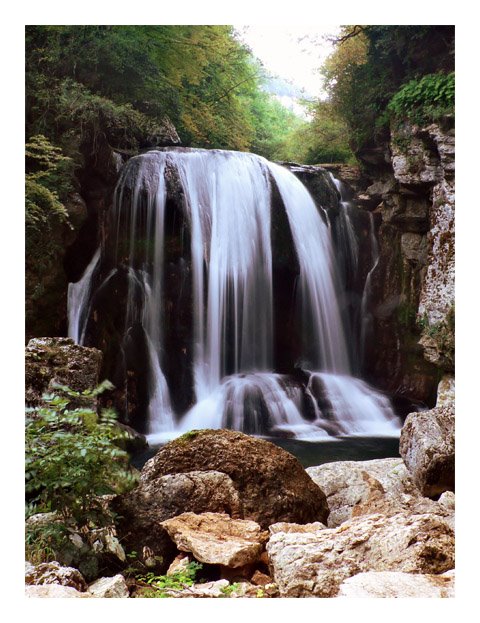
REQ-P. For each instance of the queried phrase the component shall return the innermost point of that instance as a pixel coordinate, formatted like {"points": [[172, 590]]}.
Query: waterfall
{"points": [[78, 299], [224, 201]]}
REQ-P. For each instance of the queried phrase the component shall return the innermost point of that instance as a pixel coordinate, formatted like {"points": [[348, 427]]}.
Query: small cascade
{"points": [[225, 211], [78, 299], [256, 404], [352, 407]]}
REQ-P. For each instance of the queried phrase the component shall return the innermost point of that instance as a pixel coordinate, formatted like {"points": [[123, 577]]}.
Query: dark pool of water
{"points": [[315, 453]]}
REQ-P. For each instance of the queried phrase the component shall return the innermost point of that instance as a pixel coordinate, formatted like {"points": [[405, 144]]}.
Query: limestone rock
{"points": [[109, 587], [179, 564], [54, 591], [446, 391], [217, 539], [54, 573], [427, 445], [384, 486], [271, 483], [396, 584], [283, 526], [141, 511], [315, 564], [59, 360]]}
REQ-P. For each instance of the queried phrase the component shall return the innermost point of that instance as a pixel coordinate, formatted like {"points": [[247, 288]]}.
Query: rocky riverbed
{"points": [[260, 525]]}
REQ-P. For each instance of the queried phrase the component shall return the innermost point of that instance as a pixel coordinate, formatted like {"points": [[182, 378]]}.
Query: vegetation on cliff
{"points": [[377, 72]]}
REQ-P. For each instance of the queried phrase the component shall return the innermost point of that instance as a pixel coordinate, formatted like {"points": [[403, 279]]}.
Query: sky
{"points": [[292, 52]]}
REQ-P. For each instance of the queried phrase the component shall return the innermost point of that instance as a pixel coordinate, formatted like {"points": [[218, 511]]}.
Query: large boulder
{"points": [[141, 511], [217, 539], [315, 564], [271, 483], [427, 445], [388, 584], [384, 486], [59, 360]]}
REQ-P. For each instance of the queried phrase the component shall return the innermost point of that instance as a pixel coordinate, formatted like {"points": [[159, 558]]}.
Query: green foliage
{"points": [[43, 541], [46, 181], [424, 99], [322, 139], [371, 63], [158, 586], [227, 591], [72, 457]]}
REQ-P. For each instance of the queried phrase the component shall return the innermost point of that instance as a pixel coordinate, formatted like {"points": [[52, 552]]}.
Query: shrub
{"points": [[72, 457], [425, 99], [158, 586]]}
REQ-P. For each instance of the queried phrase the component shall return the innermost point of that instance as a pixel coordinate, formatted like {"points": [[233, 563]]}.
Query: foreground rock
{"points": [[114, 587], [217, 539], [427, 445], [54, 590], [54, 573], [399, 585], [59, 360], [141, 511], [384, 486], [315, 564], [271, 483]]}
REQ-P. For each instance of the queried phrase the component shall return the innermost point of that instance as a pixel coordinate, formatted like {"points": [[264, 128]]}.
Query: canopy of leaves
{"points": [[371, 63], [127, 78]]}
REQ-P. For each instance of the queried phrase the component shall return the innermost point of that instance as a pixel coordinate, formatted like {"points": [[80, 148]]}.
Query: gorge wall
{"points": [[409, 186]]}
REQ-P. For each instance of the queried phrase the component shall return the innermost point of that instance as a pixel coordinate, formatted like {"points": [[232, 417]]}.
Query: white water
{"points": [[228, 203], [78, 300], [353, 406]]}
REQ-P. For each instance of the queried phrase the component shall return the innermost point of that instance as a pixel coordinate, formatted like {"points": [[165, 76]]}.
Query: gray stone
{"points": [[315, 564], [385, 486], [427, 445], [388, 584], [114, 587], [55, 591], [446, 391], [54, 573]]}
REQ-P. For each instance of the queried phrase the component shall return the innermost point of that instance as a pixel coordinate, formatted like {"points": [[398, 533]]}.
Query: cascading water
{"points": [[78, 298], [227, 207]]}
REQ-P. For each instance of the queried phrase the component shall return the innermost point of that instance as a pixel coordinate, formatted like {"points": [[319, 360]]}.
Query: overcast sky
{"points": [[292, 52]]}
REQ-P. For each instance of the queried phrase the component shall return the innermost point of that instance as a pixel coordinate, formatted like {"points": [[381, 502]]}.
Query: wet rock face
{"points": [[315, 564], [59, 360], [271, 483], [427, 445], [413, 285]]}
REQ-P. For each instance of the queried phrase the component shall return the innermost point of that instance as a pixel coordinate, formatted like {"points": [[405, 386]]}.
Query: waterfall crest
{"points": [[226, 200]]}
